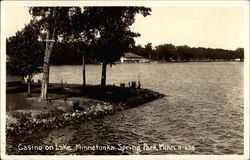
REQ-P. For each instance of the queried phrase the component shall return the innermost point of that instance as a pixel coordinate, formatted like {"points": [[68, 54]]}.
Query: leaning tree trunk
{"points": [[46, 66], [83, 71], [103, 79]]}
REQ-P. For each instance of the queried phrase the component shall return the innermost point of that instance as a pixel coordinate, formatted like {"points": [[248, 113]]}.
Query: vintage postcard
{"points": [[125, 80]]}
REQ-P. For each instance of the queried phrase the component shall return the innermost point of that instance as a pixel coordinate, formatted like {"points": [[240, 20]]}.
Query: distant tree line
{"points": [[170, 52], [70, 54]]}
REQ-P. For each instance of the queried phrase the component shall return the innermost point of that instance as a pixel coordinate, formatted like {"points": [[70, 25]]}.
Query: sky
{"points": [[213, 27]]}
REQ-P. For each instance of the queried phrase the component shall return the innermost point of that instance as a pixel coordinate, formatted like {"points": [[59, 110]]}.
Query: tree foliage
{"points": [[112, 26], [59, 19], [70, 53], [25, 52]]}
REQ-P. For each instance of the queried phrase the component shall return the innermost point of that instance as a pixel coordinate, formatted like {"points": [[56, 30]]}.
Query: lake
{"points": [[202, 111]]}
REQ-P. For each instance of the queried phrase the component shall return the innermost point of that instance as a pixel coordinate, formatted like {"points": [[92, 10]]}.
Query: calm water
{"points": [[203, 108]]}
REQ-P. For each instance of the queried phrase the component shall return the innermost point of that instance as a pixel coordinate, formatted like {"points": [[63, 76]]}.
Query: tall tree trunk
{"points": [[46, 66], [83, 71], [103, 79], [29, 81]]}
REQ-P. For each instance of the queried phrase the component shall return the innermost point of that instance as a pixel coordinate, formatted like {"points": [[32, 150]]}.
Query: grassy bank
{"points": [[68, 105]]}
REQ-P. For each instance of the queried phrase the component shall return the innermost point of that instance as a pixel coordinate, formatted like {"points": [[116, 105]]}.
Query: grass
{"points": [[74, 103]]}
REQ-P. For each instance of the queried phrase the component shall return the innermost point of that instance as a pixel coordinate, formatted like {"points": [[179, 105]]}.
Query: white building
{"points": [[133, 58]]}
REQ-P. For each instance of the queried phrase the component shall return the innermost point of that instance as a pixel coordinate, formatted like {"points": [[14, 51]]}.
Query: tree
{"points": [[24, 52], [148, 50], [165, 52], [184, 52], [139, 50], [113, 34], [55, 21], [83, 37], [240, 53]]}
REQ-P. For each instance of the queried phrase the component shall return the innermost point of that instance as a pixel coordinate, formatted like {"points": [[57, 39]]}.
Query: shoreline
{"points": [[152, 62], [77, 107]]}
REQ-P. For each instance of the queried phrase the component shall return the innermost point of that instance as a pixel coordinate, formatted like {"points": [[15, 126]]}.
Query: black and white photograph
{"points": [[166, 79]]}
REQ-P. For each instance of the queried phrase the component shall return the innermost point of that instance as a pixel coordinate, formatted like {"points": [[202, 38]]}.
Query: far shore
{"points": [[153, 62]]}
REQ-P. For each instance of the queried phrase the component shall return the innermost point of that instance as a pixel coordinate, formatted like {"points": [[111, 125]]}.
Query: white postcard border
{"points": [[244, 4]]}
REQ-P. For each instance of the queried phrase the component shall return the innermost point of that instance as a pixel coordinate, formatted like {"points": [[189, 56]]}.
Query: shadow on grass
{"points": [[107, 93], [119, 96]]}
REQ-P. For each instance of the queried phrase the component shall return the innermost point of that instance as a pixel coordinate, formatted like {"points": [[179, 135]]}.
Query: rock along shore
{"points": [[76, 107]]}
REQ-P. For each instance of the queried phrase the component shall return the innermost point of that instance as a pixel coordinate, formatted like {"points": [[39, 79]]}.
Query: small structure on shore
{"points": [[133, 58]]}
